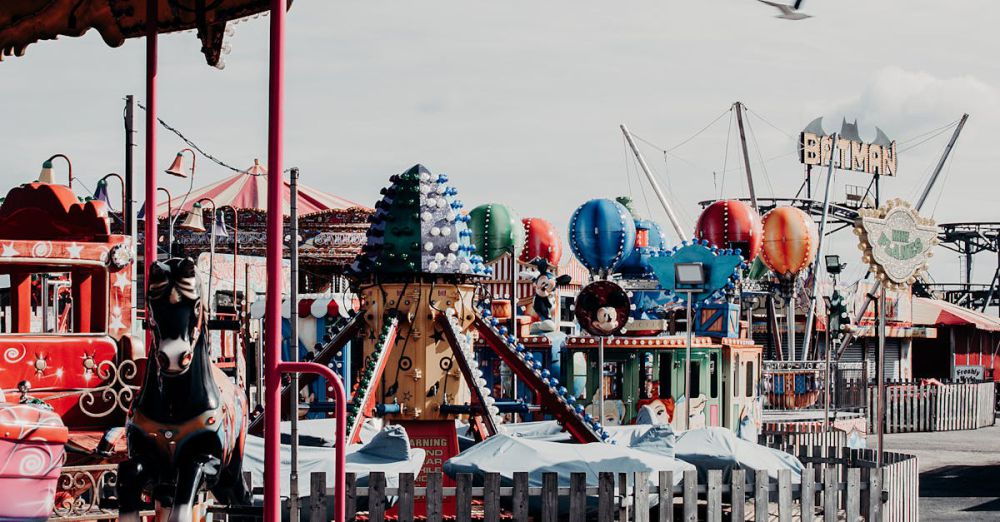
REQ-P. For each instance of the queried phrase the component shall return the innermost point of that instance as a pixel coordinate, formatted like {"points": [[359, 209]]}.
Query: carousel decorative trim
{"points": [[116, 394]]}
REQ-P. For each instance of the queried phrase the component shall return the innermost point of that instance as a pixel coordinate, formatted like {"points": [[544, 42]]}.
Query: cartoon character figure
{"points": [[543, 301]]}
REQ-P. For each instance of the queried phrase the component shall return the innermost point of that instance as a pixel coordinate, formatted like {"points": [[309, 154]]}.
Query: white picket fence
{"points": [[912, 407]]}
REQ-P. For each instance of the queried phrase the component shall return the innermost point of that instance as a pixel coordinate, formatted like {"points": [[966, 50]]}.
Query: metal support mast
{"points": [[293, 349], [746, 155], [656, 186], [810, 317]]}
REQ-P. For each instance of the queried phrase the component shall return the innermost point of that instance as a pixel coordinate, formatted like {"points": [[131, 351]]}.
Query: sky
{"points": [[520, 102]]}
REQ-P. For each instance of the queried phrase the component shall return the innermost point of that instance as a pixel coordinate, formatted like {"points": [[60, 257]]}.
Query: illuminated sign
{"points": [[896, 242], [877, 157]]}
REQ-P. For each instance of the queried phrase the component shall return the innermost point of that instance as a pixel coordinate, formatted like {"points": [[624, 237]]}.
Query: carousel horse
{"points": [[187, 427]]}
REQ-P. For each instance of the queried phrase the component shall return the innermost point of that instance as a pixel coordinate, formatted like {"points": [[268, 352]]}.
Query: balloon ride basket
{"points": [[439, 440]]}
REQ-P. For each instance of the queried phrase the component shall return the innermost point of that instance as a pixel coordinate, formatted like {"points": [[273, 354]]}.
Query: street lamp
{"points": [[690, 279], [46, 176]]}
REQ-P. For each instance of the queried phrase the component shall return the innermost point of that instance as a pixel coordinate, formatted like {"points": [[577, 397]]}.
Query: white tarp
{"points": [[505, 455], [388, 451], [720, 448]]}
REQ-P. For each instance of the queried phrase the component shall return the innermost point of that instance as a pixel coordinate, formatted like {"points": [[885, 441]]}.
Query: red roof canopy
{"points": [[248, 190], [933, 312], [24, 22]]}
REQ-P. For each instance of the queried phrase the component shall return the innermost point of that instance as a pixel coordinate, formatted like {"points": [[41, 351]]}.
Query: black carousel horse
{"points": [[187, 427]]}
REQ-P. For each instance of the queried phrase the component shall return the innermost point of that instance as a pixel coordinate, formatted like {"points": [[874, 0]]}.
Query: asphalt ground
{"points": [[959, 472]]}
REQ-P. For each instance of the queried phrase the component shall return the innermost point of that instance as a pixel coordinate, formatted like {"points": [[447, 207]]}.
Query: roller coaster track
{"points": [[554, 398]]}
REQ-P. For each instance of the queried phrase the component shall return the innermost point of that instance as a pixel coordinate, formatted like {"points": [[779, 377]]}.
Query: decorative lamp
{"points": [[194, 221]]}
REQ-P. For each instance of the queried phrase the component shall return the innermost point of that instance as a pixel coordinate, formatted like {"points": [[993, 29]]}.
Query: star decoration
{"points": [[116, 319], [9, 250], [407, 397], [74, 250], [121, 281], [438, 335]]}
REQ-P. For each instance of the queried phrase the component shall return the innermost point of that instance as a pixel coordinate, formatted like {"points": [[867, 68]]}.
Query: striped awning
{"points": [[935, 312], [248, 190], [499, 283], [318, 306]]}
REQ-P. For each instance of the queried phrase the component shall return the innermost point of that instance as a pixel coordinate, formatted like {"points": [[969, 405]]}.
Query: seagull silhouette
{"points": [[788, 12]]}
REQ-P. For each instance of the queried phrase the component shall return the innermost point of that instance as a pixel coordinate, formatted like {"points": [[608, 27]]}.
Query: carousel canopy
{"points": [[24, 22], [248, 190]]}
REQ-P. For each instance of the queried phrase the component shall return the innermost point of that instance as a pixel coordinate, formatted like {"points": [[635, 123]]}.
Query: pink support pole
{"points": [[149, 248], [273, 367], [273, 252], [340, 442]]}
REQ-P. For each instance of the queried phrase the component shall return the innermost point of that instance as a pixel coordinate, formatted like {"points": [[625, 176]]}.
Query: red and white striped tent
{"points": [[248, 190]]}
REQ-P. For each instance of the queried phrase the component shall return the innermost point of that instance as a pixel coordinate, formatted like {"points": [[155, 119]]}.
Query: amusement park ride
{"points": [[435, 344]]}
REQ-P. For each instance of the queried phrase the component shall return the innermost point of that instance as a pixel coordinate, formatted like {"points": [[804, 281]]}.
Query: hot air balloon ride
{"points": [[731, 224], [602, 235], [789, 246]]}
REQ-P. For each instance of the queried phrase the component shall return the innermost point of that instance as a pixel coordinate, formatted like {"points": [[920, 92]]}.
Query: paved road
{"points": [[959, 472]]}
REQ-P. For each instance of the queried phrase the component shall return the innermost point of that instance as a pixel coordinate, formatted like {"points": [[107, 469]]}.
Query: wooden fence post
{"points": [[376, 496], [784, 495], [640, 497], [738, 497], [830, 491], [491, 497], [714, 495], [690, 495], [317, 497], [875, 512], [808, 496], [761, 494], [605, 496], [550, 497], [853, 493], [578, 496], [433, 499], [463, 497], [666, 500], [519, 502], [350, 497], [405, 502]]}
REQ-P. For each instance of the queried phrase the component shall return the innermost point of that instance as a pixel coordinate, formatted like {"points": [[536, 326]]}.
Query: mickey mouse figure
{"points": [[543, 302]]}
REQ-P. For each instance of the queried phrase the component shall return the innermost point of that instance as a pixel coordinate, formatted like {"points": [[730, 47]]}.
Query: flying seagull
{"points": [[788, 12]]}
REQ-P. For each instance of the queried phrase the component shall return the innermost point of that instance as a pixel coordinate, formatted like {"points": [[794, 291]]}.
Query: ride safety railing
{"points": [[800, 385]]}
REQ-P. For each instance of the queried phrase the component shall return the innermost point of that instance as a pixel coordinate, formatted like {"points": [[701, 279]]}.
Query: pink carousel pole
{"points": [[274, 253], [273, 367], [149, 247]]}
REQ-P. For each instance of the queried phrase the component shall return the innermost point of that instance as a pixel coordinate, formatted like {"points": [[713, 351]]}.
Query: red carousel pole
{"points": [[149, 251], [273, 367]]}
